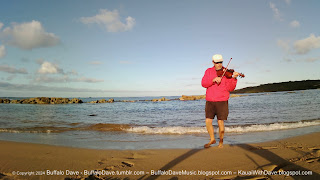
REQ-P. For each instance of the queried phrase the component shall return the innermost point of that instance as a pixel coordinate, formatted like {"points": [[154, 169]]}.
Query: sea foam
{"points": [[228, 129]]}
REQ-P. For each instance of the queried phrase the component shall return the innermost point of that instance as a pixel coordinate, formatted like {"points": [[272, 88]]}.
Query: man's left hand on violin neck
{"points": [[235, 75]]}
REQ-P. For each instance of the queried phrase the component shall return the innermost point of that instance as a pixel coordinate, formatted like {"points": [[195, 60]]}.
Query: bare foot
{"points": [[209, 144], [220, 143]]}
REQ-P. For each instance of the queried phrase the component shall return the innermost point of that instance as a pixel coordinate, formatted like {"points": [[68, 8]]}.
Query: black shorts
{"points": [[220, 109]]}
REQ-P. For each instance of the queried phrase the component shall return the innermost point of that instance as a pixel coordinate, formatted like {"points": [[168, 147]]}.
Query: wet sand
{"points": [[294, 155]]}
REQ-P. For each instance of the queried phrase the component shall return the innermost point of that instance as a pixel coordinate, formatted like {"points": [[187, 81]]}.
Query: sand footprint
{"points": [[137, 156], [127, 163], [270, 147], [270, 167], [7, 176], [102, 161], [274, 167], [311, 160], [122, 165], [314, 148], [2, 176], [315, 151]]}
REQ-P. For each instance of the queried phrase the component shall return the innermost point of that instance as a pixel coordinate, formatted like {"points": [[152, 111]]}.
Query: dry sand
{"points": [[298, 154]]}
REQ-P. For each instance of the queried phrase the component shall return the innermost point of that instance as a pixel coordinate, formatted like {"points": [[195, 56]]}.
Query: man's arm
{"points": [[232, 82], [206, 81]]}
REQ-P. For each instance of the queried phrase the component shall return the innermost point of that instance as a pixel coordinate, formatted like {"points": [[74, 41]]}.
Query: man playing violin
{"points": [[217, 96]]}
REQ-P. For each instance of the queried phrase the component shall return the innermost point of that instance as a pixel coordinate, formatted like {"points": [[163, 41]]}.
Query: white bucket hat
{"points": [[217, 58]]}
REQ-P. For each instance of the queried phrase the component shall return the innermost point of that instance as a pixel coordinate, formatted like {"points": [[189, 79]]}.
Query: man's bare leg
{"points": [[221, 132], [210, 131]]}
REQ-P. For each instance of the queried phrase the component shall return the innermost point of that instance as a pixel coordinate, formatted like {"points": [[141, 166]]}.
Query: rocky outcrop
{"points": [[43, 100], [128, 101], [191, 98], [15, 101], [60, 101], [162, 99], [103, 101], [6, 101], [75, 101]]}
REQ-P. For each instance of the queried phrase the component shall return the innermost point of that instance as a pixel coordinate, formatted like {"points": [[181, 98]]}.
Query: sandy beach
{"points": [[296, 155]]}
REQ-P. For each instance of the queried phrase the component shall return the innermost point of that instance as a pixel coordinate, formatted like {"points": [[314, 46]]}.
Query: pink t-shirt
{"points": [[217, 92]]}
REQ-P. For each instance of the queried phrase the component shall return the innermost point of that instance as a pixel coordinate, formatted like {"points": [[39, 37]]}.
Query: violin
{"points": [[227, 73]]}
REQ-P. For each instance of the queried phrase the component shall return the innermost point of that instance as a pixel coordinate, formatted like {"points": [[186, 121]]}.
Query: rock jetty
{"points": [[161, 99], [6, 101], [43, 100], [103, 101], [191, 98]]}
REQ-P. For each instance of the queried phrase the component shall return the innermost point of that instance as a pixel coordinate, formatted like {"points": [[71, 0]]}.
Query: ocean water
{"points": [[252, 118]]}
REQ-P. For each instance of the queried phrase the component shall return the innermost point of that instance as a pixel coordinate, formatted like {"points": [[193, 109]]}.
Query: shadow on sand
{"points": [[275, 160], [276, 163], [173, 163]]}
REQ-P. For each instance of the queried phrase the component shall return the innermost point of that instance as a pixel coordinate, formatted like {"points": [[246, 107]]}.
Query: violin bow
{"points": [[226, 68]]}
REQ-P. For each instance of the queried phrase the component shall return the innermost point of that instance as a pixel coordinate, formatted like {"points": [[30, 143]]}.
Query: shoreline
{"points": [[128, 141], [290, 154], [60, 100]]}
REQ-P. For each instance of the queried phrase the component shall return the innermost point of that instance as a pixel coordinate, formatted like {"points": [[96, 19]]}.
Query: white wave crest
{"points": [[235, 129], [271, 127], [167, 130], [23, 131]]}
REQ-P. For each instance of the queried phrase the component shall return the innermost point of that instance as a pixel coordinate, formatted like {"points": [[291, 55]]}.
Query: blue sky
{"points": [[152, 48]]}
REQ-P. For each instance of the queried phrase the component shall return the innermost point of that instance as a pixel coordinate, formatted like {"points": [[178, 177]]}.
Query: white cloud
{"points": [[303, 46], [29, 35], [1, 25], [13, 70], [288, 1], [276, 12], [58, 75], [49, 68], [52, 73], [2, 51], [111, 21], [65, 79], [295, 24]]}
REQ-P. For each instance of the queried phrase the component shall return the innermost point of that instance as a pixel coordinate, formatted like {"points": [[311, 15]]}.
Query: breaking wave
{"points": [[178, 130], [75, 127], [228, 129]]}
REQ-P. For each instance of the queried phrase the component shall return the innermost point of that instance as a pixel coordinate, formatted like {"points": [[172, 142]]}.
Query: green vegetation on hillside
{"points": [[283, 86]]}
